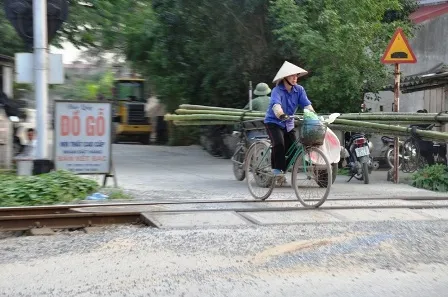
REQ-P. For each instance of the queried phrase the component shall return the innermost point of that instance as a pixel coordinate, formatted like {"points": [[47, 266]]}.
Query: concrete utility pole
{"points": [[40, 75]]}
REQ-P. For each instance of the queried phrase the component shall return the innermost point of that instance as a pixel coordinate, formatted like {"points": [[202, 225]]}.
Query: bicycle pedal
{"points": [[280, 180]]}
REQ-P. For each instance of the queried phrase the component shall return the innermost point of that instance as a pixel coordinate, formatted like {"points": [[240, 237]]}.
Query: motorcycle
{"points": [[388, 150], [434, 151], [360, 163]]}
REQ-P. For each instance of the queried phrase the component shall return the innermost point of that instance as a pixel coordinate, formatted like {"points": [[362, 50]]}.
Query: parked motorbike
{"points": [[427, 151], [360, 163], [387, 151]]}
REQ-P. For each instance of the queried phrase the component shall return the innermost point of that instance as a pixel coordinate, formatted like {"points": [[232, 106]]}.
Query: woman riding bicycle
{"points": [[286, 97]]}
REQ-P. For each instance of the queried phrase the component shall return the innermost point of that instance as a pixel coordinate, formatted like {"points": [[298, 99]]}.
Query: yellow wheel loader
{"points": [[130, 121]]}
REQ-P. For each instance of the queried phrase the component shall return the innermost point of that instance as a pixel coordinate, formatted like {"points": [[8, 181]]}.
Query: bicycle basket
{"points": [[312, 133]]}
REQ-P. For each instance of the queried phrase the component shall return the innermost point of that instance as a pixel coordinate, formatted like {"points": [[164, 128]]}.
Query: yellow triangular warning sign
{"points": [[398, 51]]}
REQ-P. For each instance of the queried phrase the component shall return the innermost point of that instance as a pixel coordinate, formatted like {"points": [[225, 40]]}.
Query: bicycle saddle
{"points": [[387, 139]]}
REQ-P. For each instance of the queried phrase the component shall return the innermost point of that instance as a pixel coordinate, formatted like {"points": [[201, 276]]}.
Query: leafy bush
{"points": [[50, 188], [434, 178]]}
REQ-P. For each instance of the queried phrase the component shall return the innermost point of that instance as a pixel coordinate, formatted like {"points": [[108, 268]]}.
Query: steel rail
{"points": [[67, 216], [300, 208], [69, 208], [67, 220]]}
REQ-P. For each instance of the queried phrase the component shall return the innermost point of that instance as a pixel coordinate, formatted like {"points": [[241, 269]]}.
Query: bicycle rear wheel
{"points": [[310, 177], [260, 180]]}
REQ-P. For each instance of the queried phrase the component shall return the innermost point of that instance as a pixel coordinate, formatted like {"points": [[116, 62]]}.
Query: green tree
{"points": [[10, 42], [90, 23], [340, 42], [206, 52], [202, 52], [87, 87]]}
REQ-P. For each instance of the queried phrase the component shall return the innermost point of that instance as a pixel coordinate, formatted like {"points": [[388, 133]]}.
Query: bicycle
{"points": [[302, 155], [243, 144]]}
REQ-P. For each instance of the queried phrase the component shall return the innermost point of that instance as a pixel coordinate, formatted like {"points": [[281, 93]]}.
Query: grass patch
{"points": [[55, 187], [433, 178], [50, 188], [116, 194], [343, 171]]}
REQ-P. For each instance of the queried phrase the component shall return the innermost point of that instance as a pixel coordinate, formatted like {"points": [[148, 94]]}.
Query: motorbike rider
{"points": [[260, 103], [425, 146], [286, 97]]}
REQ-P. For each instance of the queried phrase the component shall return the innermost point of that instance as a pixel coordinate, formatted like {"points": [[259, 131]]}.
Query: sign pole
{"points": [[396, 109], [397, 52], [40, 75]]}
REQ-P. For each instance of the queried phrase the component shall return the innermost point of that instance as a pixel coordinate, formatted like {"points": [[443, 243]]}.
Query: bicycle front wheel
{"points": [[311, 177], [260, 180]]}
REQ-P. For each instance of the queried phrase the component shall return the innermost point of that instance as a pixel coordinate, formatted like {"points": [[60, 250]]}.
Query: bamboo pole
{"points": [[347, 128], [235, 113], [381, 123], [382, 127], [205, 107], [204, 123], [195, 117], [391, 113], [392, 116], [396, 117], [405, 123]]}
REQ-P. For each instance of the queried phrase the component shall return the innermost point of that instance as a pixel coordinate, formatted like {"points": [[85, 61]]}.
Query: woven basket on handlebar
{"points": [[312, 133]]}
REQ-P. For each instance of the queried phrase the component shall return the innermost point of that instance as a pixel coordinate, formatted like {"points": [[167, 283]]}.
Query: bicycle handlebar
{"points": [[295, 117]]}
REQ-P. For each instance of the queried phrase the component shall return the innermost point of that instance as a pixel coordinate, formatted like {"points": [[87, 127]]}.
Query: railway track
{"points": [[87, 215]]}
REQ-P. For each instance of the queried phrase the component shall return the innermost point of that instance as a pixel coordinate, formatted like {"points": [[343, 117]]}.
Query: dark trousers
{"points": [[281, 142]]}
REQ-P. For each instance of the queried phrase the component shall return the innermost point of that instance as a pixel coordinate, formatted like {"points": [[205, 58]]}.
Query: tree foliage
{"points": [[10, 42], [206, 51], [340, 42], [202, 52], [90, 23], [86, 87]]}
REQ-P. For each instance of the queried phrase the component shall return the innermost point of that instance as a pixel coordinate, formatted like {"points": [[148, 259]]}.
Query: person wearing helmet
{"points": [[286, 98], [260, 103]]}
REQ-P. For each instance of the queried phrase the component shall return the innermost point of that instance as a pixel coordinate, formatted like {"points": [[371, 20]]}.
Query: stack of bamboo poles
{"points": [[384, 123]]}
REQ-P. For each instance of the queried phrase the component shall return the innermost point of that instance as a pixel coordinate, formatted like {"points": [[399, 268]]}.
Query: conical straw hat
{"points": [[288, 69]]}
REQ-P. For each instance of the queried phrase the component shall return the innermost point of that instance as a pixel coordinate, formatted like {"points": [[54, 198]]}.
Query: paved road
{"points": [[155, 172], [338, 260], [377, 258]]}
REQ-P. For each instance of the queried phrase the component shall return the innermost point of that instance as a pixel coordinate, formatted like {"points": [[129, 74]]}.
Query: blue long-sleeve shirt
{"points": [[289, 101]]}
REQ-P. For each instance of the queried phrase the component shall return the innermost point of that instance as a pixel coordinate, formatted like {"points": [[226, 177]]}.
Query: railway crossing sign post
{"points": [[37, 22], [397, 52]]}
